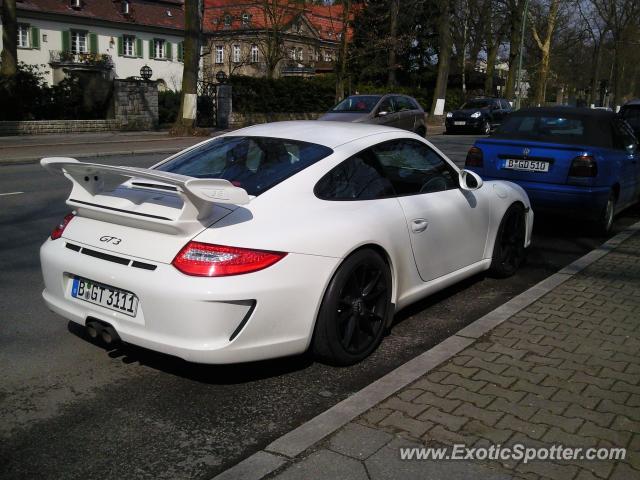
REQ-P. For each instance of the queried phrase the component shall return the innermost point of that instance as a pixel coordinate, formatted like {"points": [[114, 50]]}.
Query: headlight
{"points": [[449, 114], [476, 115]]}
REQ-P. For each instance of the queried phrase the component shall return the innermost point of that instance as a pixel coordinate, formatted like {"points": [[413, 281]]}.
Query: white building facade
{"points": [[66, 39]]}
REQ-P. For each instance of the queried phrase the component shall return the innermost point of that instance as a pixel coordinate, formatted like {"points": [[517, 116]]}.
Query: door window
{"points": [[357, 178], [413, 168], [387, 105], [402, 103], [622, 135]]}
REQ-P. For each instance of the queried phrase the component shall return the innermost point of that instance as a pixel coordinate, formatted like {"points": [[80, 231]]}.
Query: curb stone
{"points": [[290, 445]]}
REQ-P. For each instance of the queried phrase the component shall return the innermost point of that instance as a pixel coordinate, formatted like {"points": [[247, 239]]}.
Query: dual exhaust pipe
{"points": [[103, 331]]}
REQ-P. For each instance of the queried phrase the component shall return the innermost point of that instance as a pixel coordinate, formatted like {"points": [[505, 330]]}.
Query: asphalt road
{"points": [[71, 409]]}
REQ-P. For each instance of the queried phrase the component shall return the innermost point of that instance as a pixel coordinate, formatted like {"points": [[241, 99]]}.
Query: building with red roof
{"points": [[271, 37]]}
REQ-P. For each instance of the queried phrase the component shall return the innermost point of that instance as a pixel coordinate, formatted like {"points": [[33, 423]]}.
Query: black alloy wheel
{"points": [[355, 309], [509, 252]]}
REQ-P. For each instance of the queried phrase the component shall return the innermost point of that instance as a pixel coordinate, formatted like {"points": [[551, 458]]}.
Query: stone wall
{"points": [[238, 120], [42, 127], [135, 104]]}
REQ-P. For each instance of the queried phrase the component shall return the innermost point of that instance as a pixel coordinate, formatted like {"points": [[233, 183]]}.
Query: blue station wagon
{"points": [[571, 161]]}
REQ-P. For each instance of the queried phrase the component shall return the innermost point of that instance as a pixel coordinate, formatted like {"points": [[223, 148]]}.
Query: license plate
{"points": [[105, 296], [527, 165], [460, 123]]}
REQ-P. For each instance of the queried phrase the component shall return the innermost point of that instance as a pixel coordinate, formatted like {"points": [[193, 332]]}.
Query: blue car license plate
{"points": [[105, 296], [527, 165]]}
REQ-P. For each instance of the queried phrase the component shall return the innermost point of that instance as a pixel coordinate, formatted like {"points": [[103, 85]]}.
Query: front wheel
{"points": [[509, 252], [486, 127], [354, 311]]}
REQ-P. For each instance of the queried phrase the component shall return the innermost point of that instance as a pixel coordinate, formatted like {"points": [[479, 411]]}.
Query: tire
{"points": [[486, 127], [421, 131], [354, 311], [605, 220], [508, 251]]}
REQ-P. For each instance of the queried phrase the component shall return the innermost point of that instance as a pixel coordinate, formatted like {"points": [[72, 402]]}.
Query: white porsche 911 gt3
{"points": [[274, 239]]}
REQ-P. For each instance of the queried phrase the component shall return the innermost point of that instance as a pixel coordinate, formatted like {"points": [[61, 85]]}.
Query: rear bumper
{"points": [[195, 318], [580, 202]]}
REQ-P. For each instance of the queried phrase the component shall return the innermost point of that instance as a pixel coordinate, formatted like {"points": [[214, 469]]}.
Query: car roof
{"points": [[634, 102], [327, 133], [569, 111]]}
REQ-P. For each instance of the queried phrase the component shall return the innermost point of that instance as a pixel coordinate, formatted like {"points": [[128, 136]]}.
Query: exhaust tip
{"points": [[92, 332]]}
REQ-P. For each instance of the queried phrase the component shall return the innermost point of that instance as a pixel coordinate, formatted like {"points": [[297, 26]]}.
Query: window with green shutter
{"points": [[66, 41], [93, 43], [120, 46], [181, 52], [169, 50], [35, 38], [139, 52]]}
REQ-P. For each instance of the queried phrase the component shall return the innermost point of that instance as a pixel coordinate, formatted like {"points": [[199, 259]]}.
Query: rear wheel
{"points": [[605, 221], [421, 131], [354, 311], [509, 251]]}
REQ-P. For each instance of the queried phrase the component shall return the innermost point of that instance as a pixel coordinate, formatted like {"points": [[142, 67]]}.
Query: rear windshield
{"points": [[253, 163], [357, 104], [556, 128]]}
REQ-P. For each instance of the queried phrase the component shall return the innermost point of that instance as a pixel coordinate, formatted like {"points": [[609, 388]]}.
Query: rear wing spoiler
{"points": [[90, 189]]}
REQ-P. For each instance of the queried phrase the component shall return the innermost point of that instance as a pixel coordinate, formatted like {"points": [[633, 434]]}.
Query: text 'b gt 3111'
{"points": [[274, 239]]}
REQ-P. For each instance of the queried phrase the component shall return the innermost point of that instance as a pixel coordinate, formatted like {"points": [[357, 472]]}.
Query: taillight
{"points": [[57, 232], [206, 260], [474, 158], [583, 166]]}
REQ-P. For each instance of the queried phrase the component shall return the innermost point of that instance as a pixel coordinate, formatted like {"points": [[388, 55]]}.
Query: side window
{"points": [[505, 105], [387, 105], [402, 103], [413, 168], [357, 178], [622, 135]]}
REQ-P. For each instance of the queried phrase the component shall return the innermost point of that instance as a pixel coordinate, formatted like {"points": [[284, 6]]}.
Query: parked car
{"points": [[478, 115], [578, 162], [630, 111], [274, 239], [393, 110]]}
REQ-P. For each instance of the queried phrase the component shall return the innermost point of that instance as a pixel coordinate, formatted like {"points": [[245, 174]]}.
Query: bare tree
{"points": [[494, 31], [543, 42], [9, 39], [186, 121], [343, 51]]}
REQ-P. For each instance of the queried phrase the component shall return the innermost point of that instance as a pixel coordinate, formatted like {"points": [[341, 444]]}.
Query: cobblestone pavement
{"points": [[565, 370]]}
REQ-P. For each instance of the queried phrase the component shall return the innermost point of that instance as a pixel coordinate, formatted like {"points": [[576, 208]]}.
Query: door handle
{"points": [[419, 225]]}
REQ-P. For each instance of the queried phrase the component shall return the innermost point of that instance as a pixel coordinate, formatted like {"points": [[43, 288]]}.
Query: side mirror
{"points": [[469, 180], [382, 113]]}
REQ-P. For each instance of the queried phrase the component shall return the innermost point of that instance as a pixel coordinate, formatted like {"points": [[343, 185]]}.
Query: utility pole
{"points": [[519, 74]]}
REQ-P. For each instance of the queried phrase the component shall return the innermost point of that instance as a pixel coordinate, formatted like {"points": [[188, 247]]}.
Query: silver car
{"points": [[395, 110]]}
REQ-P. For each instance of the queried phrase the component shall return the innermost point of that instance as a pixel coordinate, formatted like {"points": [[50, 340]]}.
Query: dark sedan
{"points": [[478, 115], [394, 110]]}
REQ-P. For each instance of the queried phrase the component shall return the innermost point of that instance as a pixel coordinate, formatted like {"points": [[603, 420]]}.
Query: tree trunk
{"points": [[492, 54], [594, 94], [463, 56], [341, 64], [394, 11], [545, 51], [185, 124], [515, 28], [444, 57], [9, 39]]}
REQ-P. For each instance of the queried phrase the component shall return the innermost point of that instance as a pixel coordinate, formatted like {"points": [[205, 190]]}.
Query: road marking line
{"points": [[10, 193]]}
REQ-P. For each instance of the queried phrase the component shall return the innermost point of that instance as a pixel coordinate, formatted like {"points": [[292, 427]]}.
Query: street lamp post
{"points": [[519, 73]]}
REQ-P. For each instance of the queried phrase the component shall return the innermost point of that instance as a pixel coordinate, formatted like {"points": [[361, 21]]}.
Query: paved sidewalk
{"points": [[31, 148], [564, 370]]}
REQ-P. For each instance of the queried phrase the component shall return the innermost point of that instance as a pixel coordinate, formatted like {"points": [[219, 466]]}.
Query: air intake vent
{"points": [[111, 258]]}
